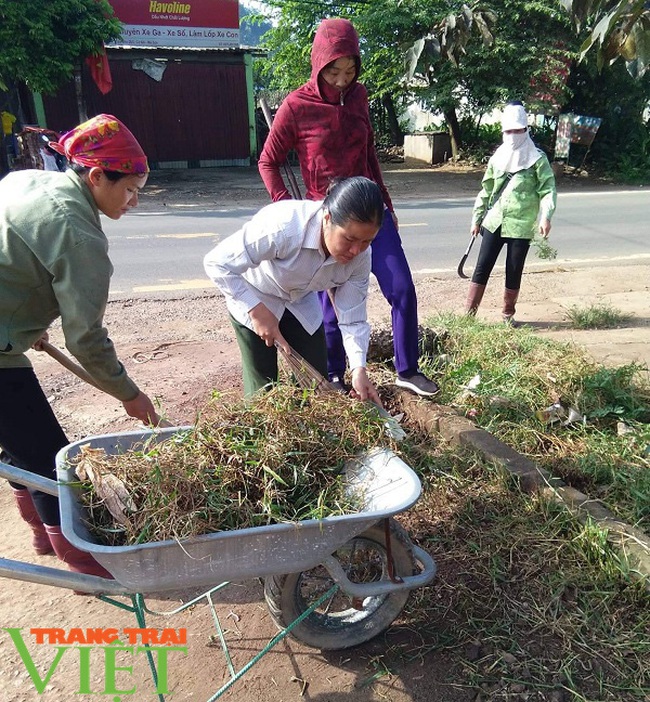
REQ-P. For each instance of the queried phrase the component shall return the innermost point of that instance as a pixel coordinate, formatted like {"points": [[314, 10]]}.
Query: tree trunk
{"points": [[27, 111], [393, 123], [454, 131], [78, 89]]}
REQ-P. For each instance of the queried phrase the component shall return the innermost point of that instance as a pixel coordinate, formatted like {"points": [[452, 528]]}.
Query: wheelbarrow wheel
{"points": [[341, 622]]}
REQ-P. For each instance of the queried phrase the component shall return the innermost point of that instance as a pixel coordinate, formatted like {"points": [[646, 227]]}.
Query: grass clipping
{"points": [[276, 458]]}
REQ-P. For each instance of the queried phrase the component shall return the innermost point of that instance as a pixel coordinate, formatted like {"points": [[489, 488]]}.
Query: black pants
{"points": [[30, 434], [491, 245], [260, 362]]}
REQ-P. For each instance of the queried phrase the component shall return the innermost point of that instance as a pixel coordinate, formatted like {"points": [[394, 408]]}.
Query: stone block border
{"points": [[633, 545]]}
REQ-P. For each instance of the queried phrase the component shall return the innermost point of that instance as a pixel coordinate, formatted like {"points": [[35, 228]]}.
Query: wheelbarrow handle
{"points": [[460, 270], [427, 567], [43, 575], [28, 479], [293, 183]]}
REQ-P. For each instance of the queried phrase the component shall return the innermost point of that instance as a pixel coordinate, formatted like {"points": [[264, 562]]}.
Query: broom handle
{"points": [[80, 372], [293, 183], [68, 363]]}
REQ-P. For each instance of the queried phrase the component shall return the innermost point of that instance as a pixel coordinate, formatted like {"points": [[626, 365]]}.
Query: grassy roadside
{"points": [[529, 603], [583, 422]]}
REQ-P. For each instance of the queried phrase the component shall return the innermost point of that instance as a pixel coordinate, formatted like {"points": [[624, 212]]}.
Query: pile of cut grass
{"points": [[276, 458]]}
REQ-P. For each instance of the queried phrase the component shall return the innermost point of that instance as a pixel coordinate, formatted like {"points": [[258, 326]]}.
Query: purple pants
{"points": [[390, 267]]}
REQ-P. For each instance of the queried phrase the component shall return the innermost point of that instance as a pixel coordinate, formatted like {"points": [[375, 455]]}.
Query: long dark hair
{"points": [[357, 199]]}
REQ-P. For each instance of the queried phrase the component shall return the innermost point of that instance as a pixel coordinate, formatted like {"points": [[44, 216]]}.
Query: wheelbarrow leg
{"points": [[390, 565], [139, 608]]}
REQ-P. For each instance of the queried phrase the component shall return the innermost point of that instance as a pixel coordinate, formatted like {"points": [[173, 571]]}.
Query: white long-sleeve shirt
{"points": [[277, 258]]}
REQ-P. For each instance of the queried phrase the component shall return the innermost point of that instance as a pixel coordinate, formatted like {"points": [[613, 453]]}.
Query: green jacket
{"points": [[54, 263], [530, 195]]}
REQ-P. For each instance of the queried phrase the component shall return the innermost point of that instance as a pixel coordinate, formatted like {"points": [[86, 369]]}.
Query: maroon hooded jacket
{"points": [[330, 131]]}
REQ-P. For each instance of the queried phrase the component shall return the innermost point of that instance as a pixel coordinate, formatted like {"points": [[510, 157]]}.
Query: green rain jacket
{"points": [[530, 195], [54, 263]]}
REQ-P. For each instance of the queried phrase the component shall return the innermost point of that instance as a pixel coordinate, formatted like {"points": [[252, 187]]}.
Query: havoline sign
{"points": [[178, 23]]}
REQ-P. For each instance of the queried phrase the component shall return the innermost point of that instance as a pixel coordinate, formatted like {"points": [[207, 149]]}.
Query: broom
{"points": [[311, 378]]}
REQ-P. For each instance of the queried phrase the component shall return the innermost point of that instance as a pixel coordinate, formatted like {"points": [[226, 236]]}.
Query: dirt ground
{"points": [[178, 349]]}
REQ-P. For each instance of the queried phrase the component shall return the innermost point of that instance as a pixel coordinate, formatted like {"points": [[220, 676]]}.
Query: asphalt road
{"points": [[163, 252]]}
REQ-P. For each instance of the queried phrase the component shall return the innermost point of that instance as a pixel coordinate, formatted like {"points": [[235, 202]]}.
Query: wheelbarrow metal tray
{"points": [[386, 483]]}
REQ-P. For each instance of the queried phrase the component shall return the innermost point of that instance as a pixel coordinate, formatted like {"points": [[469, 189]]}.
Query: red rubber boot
{"points": [[40, 541], [510, 298], [474, 297], [76, 560]]}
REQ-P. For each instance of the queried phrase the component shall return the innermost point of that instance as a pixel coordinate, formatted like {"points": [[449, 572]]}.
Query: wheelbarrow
{"points": [[331, 583]]}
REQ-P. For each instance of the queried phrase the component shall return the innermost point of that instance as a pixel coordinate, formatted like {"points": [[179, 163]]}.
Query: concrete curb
{"points": [[632, 545]]}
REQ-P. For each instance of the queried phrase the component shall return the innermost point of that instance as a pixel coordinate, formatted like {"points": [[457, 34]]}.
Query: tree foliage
{"points": [[465, 59], [454, 58], [387, 30], [622, 145], [251, 26], [615, 29], [527, 58], [43, 40]]}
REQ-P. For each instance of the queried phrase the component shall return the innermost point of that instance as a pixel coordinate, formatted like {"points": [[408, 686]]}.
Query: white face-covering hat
{"points": [[518, 151], [514, 117]]}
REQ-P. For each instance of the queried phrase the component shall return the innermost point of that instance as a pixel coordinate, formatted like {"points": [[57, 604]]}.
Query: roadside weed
{"points": [[611, 393], [598, 316]]}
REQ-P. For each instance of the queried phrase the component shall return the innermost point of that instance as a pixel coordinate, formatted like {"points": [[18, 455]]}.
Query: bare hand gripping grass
{"points": [[276, 458]]}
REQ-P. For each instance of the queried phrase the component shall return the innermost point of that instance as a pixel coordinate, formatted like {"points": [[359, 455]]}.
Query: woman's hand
{"points": [[476, 228], [267, 326], [544, 228], [141, 407], [38, 345], [362, 388]]}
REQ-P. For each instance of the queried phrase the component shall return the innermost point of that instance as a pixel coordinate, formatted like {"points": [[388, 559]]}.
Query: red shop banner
{"points": [[181, 23]]}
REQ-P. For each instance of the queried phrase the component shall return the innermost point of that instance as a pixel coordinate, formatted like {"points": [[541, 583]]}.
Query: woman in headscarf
{"points": [[54, 263], [327, 122], [517, 198]]}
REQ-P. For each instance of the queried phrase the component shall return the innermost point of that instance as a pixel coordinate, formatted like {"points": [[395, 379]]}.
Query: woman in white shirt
{"points": [[271, 270]]}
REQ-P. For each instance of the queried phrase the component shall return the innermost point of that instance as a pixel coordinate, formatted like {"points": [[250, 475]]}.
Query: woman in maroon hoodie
{"points": [[327, 122]]}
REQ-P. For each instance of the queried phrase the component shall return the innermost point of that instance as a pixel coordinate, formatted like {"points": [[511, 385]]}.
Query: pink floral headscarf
{"points": [[105, 142]]}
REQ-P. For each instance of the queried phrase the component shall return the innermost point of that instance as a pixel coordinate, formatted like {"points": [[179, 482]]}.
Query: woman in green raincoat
{"points": [[517, 198]]}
